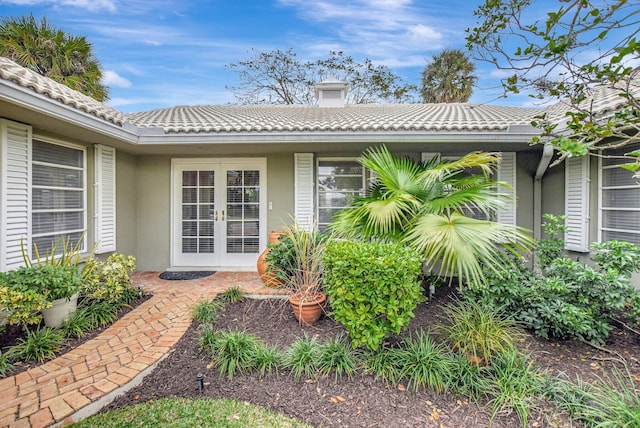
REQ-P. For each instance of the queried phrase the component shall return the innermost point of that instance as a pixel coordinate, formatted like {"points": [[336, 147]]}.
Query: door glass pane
{"points": [[198, 211], [243, 211]]}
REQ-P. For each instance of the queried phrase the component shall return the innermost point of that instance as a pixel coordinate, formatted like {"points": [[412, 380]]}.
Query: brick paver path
{"points": [[81, 381]]}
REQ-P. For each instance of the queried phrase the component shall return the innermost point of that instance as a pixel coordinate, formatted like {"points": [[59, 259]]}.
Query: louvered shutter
{"points": [[303, 173], [507, 173], [577, 204], [105, 197], [15, 182]]}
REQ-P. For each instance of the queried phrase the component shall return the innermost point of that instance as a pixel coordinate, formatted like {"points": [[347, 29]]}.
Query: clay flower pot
{"points": [[269, 279], [307, 306]]}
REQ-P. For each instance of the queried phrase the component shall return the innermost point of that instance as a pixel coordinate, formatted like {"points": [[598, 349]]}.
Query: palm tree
{"points": [[448, 78], [423, 204], [50, 52]]}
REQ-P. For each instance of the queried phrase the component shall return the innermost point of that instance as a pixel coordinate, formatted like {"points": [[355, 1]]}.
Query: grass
{"points": [[207, 311], [180, 412], [234, 352], [38, 345], [232, 295], [302, 357], [425, 364], [5, 365], [479, 331], [336, 355]]}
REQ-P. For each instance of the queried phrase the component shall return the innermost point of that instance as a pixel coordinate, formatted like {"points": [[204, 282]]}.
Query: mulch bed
{"points": [[368, 403]]}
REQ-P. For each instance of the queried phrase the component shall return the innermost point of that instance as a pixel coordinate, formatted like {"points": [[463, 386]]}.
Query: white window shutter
{"points": [[105, 198], [507, 174], [577, 204], [303, 173], [15, 193]]}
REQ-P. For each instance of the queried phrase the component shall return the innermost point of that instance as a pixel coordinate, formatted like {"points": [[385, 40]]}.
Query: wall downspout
{"points": [[545, 160]]}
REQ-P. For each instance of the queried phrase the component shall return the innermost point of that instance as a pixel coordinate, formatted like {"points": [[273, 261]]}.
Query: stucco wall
{"points": [[153, 212], [126, 203]]}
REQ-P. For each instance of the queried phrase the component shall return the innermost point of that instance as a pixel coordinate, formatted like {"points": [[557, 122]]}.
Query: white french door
{"points": [[219, 212]]}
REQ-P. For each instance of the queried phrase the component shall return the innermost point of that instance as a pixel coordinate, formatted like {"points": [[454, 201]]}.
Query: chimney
{"points": [[331, 92]]}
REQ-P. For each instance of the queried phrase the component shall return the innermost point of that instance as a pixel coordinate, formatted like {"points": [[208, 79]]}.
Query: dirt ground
{"points": [[367, 402]]}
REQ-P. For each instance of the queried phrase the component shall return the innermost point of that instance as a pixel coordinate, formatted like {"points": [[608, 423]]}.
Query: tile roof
{"points": [[306, 118], [360, 117], [13, 72]]}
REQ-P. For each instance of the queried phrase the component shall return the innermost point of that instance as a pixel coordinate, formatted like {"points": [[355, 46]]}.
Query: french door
{"points": [[219, 213]]}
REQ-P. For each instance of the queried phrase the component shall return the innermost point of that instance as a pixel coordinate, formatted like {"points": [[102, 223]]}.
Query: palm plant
{"points": [[48, 51], [448, 78], [424, 205]]}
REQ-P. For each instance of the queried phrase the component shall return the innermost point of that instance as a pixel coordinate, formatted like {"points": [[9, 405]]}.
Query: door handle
{"points": [[222, 215], [215, 216]]}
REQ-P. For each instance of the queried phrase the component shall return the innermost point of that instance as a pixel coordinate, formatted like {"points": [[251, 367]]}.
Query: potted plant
{"points": [[297, 261], [58, 284]]}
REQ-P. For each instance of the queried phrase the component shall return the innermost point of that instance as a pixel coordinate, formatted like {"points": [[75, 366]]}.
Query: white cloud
{"points": [[111, 78], [91, 5]]}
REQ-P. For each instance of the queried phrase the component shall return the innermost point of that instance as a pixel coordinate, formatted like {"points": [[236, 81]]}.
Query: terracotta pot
{"points": [[307, 307], [269, 279]]}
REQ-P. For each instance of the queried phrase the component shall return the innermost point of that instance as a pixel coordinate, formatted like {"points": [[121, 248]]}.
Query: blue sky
{"points": [[164, 53]]}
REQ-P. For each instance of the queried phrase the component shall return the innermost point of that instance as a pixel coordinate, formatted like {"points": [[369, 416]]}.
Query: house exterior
{"points": [[194, 187]]}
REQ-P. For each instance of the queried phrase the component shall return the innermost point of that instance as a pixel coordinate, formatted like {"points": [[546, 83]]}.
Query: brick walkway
{"points": [[80, 382]]}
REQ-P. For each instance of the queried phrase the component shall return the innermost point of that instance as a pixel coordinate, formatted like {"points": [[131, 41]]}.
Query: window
{"points": [[58, 200], [619, 199], [338, 181]]}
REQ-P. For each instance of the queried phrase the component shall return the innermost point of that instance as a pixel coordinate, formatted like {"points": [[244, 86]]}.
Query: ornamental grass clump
{"points": [[38, 345], [373, 287], [336, 355], [301, 358], [234, 352], [425, 364], [479, 332]]}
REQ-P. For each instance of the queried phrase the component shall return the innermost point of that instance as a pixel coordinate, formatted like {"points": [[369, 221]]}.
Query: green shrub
{"points": [[5, 365], [424, 363], [479, 331], [109, 281], [207, 311], [373, 288], [232, 295], [384, 363], [301, 358], [611, 401], [513, 383], [77, 324], [571, 299], [38, 345], [234, 352], [101, 314], [52, 281], [336, 355], [267, 359], [23, 306]]}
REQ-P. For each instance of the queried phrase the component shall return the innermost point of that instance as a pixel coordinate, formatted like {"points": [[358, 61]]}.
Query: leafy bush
{"points": [[373, 288], [51, 281], [571, 299], [108, 281], [479, 332], [551, 247], [23, 306]]}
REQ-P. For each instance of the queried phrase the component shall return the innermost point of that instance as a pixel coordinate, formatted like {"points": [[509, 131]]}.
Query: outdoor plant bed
{"points": [[361, 400], [11, 335]]}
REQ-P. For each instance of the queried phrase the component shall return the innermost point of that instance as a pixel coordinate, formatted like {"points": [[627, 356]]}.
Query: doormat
{"points": [[185, 275]]}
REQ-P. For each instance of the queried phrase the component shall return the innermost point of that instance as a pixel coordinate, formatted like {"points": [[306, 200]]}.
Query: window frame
{"points": [[365, 182], [602, 230], [84, 190]]}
